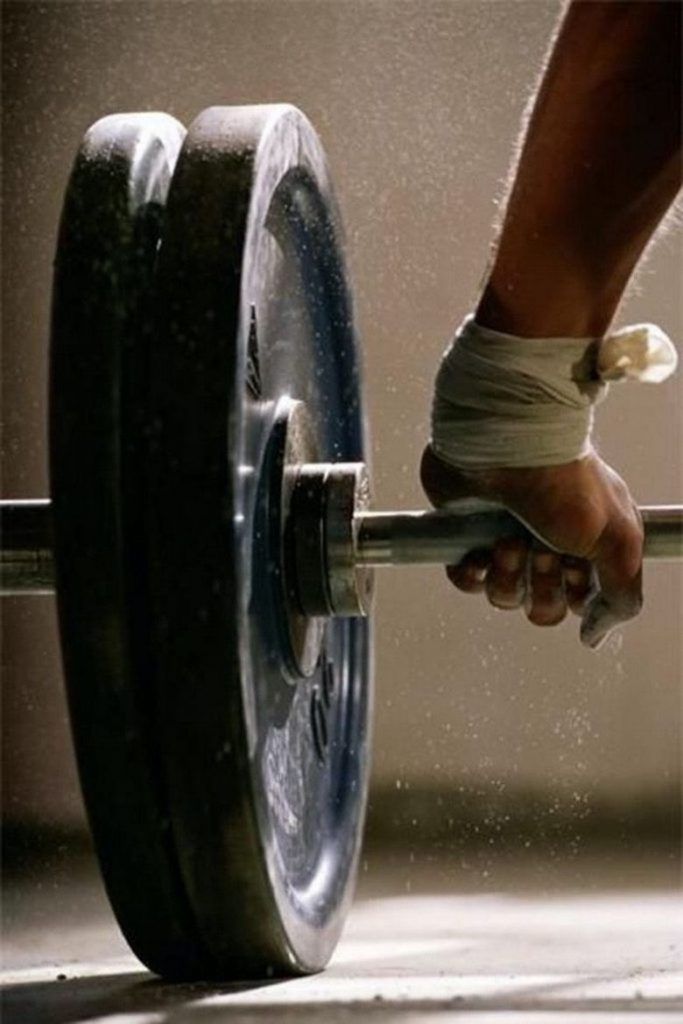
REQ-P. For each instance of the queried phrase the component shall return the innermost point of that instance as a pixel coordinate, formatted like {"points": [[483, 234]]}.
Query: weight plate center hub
{"points": [[316, 504]]}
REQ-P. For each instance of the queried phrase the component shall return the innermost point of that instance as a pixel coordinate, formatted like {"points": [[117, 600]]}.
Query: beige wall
{"points": [[418, 105]]}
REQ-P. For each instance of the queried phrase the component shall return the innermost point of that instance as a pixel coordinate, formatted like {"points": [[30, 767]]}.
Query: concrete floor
{"points": [[517, 940]]}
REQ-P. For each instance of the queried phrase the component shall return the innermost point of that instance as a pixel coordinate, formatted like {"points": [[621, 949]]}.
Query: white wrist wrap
{"points": [[504, 401]]}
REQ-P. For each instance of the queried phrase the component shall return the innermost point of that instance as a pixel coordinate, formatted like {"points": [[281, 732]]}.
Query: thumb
{"points": [[618, 563]]}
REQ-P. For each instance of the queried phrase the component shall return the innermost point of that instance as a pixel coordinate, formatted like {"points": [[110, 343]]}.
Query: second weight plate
{"points": [[266, 765]]}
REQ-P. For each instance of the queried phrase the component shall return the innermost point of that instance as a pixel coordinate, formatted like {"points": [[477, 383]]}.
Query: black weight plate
{"points": [[266, 772], [108, 241]]}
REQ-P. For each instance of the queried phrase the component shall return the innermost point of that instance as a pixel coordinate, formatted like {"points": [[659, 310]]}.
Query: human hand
{"points": [[584, 510]]}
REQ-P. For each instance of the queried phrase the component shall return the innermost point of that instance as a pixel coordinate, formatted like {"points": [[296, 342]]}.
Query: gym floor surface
{"points": [[596, 938]]}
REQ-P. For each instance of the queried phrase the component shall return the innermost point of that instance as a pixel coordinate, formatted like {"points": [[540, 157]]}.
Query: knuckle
{"points": [[510, 554], [514, 544], [545, 563], [576, 571], [626, 529], [583, 522], [576, 585], [624, 545]]}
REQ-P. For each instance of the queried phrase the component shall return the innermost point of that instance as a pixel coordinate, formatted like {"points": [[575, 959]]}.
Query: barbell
{"points": [[210, 539]]}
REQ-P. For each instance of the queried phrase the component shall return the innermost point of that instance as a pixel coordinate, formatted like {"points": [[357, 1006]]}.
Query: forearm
{"points": [[599, 167]]}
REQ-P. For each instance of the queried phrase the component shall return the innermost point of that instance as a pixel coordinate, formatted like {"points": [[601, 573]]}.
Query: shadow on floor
{"points": [[68, 1000], [136, 996]]}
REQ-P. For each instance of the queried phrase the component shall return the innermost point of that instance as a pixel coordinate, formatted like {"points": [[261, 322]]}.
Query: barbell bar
{"points": [[443, 537], [376, 539]]}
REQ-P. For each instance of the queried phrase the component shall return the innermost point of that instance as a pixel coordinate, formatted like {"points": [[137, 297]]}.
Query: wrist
{"points": [[501, 400], [509, 401]]}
